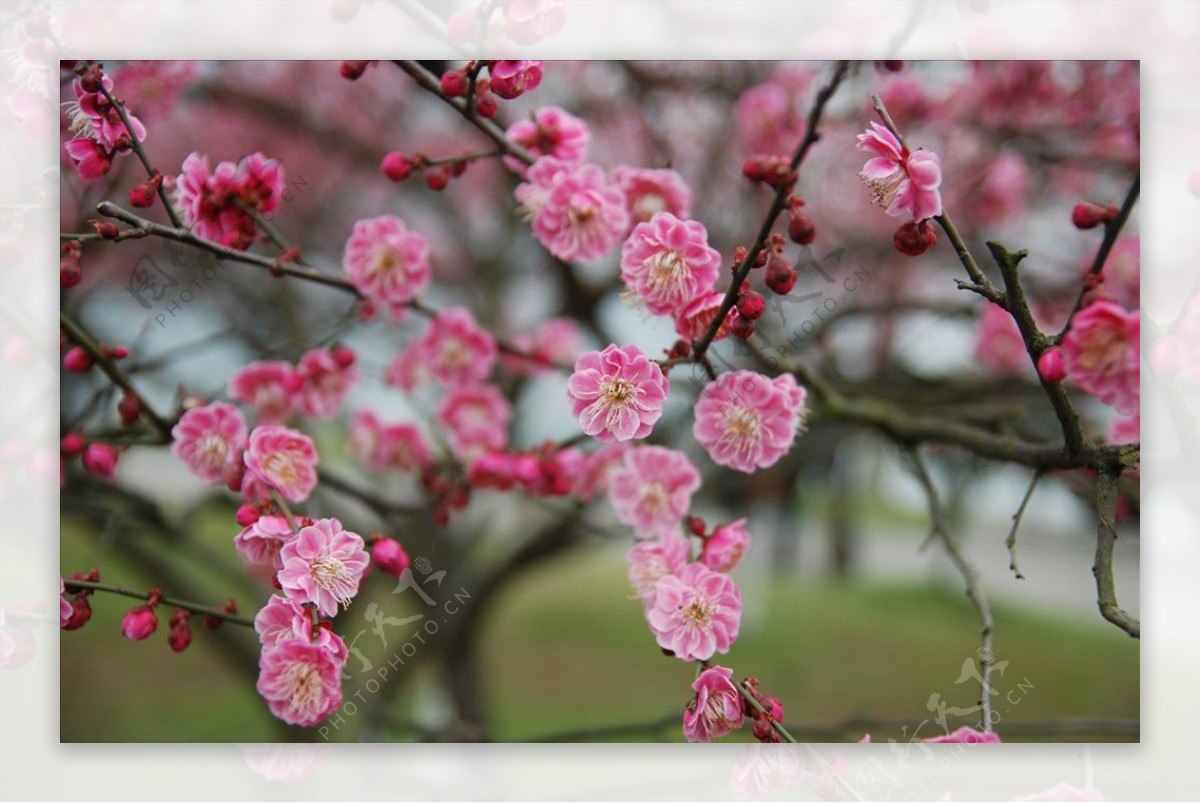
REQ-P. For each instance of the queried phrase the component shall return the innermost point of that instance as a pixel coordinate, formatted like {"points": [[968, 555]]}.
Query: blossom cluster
{"points": [[217, 203]]}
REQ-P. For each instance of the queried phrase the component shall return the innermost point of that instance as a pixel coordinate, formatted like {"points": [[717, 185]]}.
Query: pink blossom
{"points": [[768, 120], [283, 459], [209, 198], [260, 543], [152, 87], [539, 179], [1101, 352], [455, 350], [476, 420], [511, 79], [555, 341], [717, 709], [693, 320], [617, 394], [210, 440], [268, 386], [591, 478], [999, 346], [528, 22], [283, 619], [649, 561], [324, 381], [386, 262], [668, 262], [1004, 190], [323, 564], [1127, 429], [301, 682], [388, 446], [139, 623], [92, 116], [90, 158], [259, 182], [552, 132], [652, 489], [724, 547], [965, 735], [900, 181], [407, 369], [746, 421], [582, 217], [648, 192], [696, 613]]}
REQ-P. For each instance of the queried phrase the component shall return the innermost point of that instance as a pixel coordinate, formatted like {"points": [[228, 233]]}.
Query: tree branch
{"points": [[1106, 538]]}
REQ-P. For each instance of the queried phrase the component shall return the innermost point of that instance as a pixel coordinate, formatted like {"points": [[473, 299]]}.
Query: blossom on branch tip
{"points": [[716, 710], [617, 394], [301, 682], [511, 79], [900, 181]]}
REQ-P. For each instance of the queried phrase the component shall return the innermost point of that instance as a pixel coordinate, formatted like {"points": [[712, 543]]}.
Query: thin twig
{"points": [[84, 340], [428, 81], [206, 610], [1106, 538], [141, 155], [777, 206], [970, 576], [1011, 540]]}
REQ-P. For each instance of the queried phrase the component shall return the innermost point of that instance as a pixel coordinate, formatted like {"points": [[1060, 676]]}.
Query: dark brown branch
{"points": [[194, 607], [1011, 541], [1106, 539]]}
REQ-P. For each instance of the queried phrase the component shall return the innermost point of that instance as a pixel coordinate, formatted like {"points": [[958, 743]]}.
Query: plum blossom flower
{"points": [[476, 420], [693, 320], [539, 179], [301, 682], [652, 489], [323, 564], [900, 181], [283, 459], [511, 79], [209, 198], [270, 387], [407, 369], [528, 22], [386, 262], [696, 613], [668, 262], [746, 421], [582, 216], [999, 346], [717, 709], [555, 341], [552, 132], [210, 440], [768, 115], [283, 619], [617, 394], [456, 350], [591, 477], [95, 118], [1101, 352], [725, 545], [649, 561], [648, 192], [260, 543], [326, 376], [90, 158], [381, 446]]}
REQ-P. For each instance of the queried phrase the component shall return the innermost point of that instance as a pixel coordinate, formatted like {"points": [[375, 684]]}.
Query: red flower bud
{"points": [[180, 634], [92, 80], [142, 196], [343, 355], [247, 514], [396, 166], [781, 275], [742, 327], [389, 556], [486, 104], [72, 444], [437, 178], [1088, 215], [914, 239], [1051, 366], [129, 408], [751, 305], [139, 623], [100, 459], [455, 83], [81, 612], [77, 360], [105, 228], [353, 70], [801, 228]]}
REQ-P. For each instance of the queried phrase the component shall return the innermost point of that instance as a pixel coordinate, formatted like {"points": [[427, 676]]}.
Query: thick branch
{"points": [[1106, 538]]}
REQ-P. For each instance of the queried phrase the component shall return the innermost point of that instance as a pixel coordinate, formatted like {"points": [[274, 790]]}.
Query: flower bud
{"points": [[389, 556], [1051, 366], [437, 178], [396, 166], [781, 275], [751, 305], [180, 634], [105, 228], [486, 104], [142, 196], [77, 360], [100, 459], [247, 514], [455, 83], [81, 612], [129, 408], [801, 228], [742, 327], [914, 239], [343, 355], [1088, 215], [353, 70], [72, 444], [139, 623]]}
